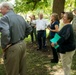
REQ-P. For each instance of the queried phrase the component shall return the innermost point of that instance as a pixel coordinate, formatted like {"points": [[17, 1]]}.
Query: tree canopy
{"points": [[23, 6], [32, 5]]}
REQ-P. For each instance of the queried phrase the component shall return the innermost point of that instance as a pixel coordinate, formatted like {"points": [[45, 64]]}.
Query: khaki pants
{"points": [[67, 61], [15, 61], [75, 38]]}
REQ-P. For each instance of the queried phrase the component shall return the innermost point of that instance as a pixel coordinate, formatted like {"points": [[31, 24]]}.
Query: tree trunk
{"points": [[58, 6]]}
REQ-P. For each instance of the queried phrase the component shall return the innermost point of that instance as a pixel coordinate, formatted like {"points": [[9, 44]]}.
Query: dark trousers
{"points": [[55, 53], [33, 35], [41, 37]]}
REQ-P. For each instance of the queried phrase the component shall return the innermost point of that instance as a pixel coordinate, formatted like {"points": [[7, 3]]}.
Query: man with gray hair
{"points": [[14, 29]]}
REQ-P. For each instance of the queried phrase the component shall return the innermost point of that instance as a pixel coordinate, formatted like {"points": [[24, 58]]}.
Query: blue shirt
{"points": [[52, 26], [13, 28]]}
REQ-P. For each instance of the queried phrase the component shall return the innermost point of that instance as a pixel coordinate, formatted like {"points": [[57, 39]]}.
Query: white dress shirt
{"points": [[41, 24]]}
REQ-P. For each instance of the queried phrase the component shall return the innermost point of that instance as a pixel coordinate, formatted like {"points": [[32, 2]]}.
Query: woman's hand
{"points": [[52, 44]]}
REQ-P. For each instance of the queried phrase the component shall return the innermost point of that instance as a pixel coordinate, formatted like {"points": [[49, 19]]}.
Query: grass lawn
{"points": [[38, 62]]}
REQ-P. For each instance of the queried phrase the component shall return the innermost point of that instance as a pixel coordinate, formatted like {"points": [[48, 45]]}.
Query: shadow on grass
{"points": [[35, 64], [2, 70], [38, 63]]}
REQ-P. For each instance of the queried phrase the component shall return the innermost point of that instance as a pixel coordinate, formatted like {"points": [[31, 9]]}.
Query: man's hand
{"points": [[6, 47]]}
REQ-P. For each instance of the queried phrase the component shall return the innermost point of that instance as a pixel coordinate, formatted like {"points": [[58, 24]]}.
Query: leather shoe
{"points": [[54, 61], [38, 49]]}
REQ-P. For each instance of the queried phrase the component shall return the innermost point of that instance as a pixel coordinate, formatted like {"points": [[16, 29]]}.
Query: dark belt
{"points": [[40, 30], [12, 44], [16, 42]]}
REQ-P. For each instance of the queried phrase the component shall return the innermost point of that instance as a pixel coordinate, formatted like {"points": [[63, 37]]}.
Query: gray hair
{"points": [[7, 4]]}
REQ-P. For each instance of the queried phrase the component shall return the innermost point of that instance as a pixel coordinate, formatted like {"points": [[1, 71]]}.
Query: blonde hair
{"points": [[56, 16]]}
